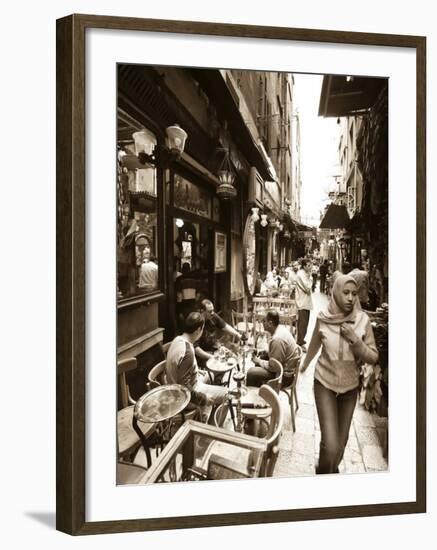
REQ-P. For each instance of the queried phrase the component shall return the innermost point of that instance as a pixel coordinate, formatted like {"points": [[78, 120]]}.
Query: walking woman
{"points": [[345, 336]]}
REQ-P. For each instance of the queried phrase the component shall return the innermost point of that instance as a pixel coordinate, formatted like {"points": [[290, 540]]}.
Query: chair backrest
{"points": [[242, 321], [274, 431], [124, 366], [276, 382], [165, 348], [258, 327], [294, 368], [157, 376]]}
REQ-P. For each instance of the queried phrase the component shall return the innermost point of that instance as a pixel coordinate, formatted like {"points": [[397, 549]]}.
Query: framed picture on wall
{"points": [[220, 242], [372, 87]]}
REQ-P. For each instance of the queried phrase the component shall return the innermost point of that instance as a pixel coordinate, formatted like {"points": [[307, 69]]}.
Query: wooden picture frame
{"points": [[71, 273]]}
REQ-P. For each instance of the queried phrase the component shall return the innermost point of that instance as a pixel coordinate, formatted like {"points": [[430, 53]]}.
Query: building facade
{"points": [[183, 233]]}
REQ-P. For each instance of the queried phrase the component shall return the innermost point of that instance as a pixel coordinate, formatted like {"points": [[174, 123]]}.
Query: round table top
{"points": [[221, 366], [162, 403]]}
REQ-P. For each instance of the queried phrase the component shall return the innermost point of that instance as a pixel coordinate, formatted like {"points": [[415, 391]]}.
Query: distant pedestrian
{"points": [[314, 274], [304, 302], [345, 336], [323, 272], [362, 279]]}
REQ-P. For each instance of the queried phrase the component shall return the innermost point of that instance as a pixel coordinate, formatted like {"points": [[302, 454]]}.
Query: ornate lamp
{"points": [[255, 216], [264, 222], [163, 156], [226, 190]]}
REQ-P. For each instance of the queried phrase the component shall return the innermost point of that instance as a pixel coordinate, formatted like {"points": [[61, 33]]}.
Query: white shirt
{"points": [[304, 283], [148, 275]]}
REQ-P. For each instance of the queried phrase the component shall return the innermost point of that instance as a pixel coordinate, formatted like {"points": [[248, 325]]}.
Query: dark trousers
{"points": [[322, 283], [335, 411], [257, 376], [303, 317]]}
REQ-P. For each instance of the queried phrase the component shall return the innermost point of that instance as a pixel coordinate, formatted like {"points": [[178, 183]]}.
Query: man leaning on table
{"points": [[282, 347], [208, 341], [181, 367]]}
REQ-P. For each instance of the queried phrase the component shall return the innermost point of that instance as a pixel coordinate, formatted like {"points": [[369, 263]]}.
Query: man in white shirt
{"points": [[304, 301], [149, 274], [181, 367]]}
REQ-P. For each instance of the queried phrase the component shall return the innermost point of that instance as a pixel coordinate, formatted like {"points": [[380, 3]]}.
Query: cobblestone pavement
{"points": [[298, 452]]}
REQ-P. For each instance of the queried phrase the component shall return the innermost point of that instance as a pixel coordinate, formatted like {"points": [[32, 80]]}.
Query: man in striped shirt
{"points": [[181, 367]]}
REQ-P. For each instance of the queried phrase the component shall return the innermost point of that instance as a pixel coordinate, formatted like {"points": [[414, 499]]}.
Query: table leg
{"points": [[143, 440], [231, 412]]}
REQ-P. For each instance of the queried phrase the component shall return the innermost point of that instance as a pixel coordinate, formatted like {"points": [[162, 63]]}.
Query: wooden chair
{"points": [[165, 348], [129, 474], [260, 302], [157, 376], [290, 388], [276, 382], [242, 321], [127, 439], [258, 327], [274, 431]]}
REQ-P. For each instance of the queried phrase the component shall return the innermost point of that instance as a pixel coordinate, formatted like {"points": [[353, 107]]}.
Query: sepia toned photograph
{"points": [[252, 274]]}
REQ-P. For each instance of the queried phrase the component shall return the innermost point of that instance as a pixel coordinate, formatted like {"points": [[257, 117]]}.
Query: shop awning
{"points": [[336, 217], [348, 95]]}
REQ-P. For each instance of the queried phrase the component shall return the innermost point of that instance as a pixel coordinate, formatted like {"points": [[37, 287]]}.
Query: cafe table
{"points": [[220, 366], [159, 406]]}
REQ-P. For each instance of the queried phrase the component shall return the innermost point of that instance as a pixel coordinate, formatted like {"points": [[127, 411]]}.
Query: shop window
{"points": [[137, 221], [191, 198]]}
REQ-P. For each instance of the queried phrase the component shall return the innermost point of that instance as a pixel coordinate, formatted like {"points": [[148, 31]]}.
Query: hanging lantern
{"points": [[226, 190]]}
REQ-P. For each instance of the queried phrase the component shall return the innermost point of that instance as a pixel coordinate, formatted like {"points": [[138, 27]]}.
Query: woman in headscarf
{"points": [[345, 336]]}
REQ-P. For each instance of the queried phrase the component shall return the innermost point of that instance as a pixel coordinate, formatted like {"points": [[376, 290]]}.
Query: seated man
{"points": [[181, 367], [208, 342], [282, 347]]}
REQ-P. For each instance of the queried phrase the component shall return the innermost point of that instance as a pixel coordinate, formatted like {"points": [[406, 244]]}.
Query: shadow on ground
{"points": [[45, 518]]}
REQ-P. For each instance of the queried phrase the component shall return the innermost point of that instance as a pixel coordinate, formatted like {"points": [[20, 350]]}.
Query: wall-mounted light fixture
{"points": [[264, 222], [179, 222], [226, 190], [163, 156], [255, 216]]}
